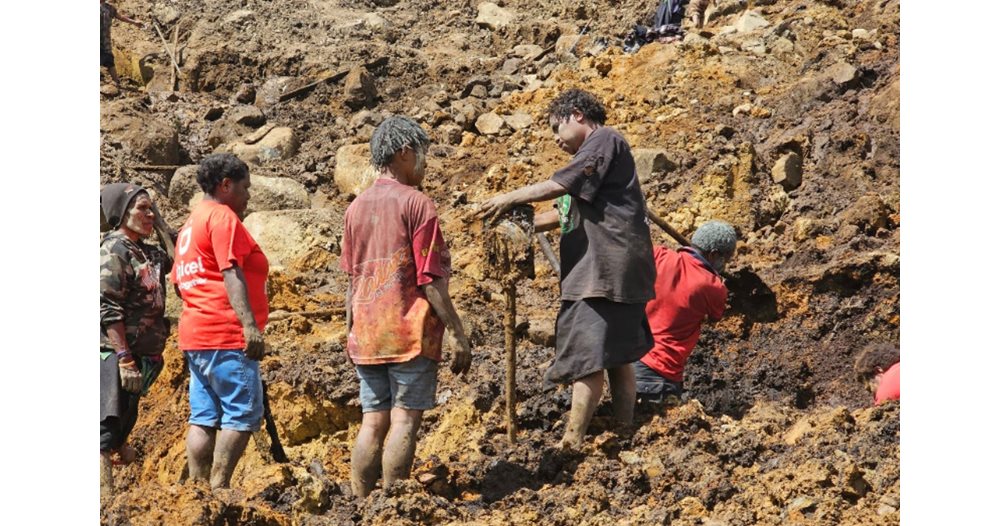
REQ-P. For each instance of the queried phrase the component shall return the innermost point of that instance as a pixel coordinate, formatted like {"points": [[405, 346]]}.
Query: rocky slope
{"points": [[781, 117]]}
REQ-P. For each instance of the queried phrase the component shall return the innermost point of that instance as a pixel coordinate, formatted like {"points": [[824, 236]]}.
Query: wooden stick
{"points": [[154, 167], [543, 243], [166, 48], [678, 237], [381, 61], [173, 73], [163, 232], [509, 321]]}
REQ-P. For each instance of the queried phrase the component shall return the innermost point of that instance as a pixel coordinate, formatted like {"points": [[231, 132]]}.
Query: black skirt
{"points": [[594, 334]]}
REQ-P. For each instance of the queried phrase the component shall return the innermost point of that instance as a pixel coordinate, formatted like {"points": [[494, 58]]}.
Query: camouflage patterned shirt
{"points": [[132, 292]]}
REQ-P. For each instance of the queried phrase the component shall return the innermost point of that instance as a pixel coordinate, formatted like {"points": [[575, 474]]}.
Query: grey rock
{"points": [[787, 171], [246, 115], [354, 172], [493, 17], [750, 21], [489, 123], [650, 162], [518, 121]]}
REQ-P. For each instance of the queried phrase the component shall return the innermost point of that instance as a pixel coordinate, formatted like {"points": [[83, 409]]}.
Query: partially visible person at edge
{"points": [[134, 329], [221, 274], [109, 13], [688, 290], [878, 367], [607, 268], [398, 304]]}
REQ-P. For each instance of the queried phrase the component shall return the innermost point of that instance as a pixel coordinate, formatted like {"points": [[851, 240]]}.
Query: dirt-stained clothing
{"points": [[605, 249], [132, 292], [392, 246], [108, 13]]}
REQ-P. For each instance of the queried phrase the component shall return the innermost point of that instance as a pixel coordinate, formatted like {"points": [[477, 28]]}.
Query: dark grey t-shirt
{"points": [[605, 248]]}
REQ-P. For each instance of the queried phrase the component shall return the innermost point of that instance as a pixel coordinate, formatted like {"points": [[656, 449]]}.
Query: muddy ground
{"points": [[774, 428]]}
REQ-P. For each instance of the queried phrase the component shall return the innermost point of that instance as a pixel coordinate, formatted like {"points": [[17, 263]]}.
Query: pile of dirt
{"points": [[781, 117]]}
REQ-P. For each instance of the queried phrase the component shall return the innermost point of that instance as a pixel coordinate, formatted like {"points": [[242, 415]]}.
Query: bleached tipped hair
{"points": [[715, 236], [392, 135]]}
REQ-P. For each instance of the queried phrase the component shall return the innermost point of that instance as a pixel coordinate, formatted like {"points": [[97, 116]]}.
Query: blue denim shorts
{"points": [[408, 385], [225, 390]]}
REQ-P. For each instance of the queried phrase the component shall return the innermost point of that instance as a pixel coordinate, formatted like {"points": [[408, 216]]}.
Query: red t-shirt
{"points": [[686, 292], [212, 240], [392, 245], [888, 388]]}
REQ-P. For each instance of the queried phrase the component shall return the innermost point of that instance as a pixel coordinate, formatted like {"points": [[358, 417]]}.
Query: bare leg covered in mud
{"points": [[228, 449], [367, 454], [107, 477], [397, 460], [586, 394], [200, 447], [622, 385]]}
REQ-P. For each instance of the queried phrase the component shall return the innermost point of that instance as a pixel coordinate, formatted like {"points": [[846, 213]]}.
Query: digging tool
{"points": [[678, 237], [163, 232], [509, 258], [543, 243], [166, 48], [176, 57], [277, 451]]}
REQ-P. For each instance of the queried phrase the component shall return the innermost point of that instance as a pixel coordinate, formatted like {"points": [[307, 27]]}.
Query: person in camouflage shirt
{"points": [[133, 327]]}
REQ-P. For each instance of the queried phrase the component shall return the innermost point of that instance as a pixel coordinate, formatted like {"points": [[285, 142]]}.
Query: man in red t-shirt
{"points": [[878, 367], [688, 289], [220, 273], [397, 304]]}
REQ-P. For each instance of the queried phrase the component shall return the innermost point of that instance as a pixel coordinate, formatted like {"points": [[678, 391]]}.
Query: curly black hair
{"points": [[578, 100], [218, 166], [875, 356]]}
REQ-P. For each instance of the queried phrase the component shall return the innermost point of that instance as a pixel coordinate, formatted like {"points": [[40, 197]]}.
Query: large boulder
{"points": [[266, 193], [650, 162], [787, 171], [153, 140], [518, 120], [493, 16], [489, 123], [750, 21], [354, 172], [359, 88], [266, 144], [297, 239]]}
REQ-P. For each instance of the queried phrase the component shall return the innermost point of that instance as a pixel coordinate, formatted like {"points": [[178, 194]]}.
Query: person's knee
{"points": [[375, 422], [406, 418]]}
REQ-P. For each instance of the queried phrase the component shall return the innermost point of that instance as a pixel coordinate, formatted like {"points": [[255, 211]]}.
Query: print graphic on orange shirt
{"points": [[374, 276]]}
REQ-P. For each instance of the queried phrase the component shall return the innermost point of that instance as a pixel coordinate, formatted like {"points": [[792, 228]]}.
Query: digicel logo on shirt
{"points": [[185, 271]]}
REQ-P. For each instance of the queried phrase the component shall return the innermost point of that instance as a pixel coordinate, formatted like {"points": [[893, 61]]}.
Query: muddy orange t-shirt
{"points": [[392, 246], [212, 240]]}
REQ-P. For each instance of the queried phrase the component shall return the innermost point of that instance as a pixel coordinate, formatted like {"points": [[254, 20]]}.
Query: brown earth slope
{"points": [[774, 429]]}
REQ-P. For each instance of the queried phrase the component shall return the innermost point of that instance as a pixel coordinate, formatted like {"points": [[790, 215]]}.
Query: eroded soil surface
{"points": [[774, 428]]}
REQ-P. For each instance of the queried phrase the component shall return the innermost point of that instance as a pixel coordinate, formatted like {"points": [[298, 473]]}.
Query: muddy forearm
{"points": [[440, 300], [236, 289], [542, 191]]}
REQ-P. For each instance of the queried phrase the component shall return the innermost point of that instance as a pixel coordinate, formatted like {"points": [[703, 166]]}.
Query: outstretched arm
{"points": [[542, 191]]}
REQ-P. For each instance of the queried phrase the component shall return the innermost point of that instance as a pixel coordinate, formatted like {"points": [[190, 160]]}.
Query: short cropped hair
{"points": [[875, 356], [218, 166], [715, 236], [563, 106], [392, 135]]}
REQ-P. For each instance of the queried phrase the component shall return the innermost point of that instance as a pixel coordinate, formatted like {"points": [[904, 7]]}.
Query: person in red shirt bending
{"points": [[397, 304], [220, 273], [688, 289], [878, 367]]}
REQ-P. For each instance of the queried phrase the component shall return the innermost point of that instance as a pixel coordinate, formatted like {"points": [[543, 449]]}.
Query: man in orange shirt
{"points": [[397, 304], [878, 367]]}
